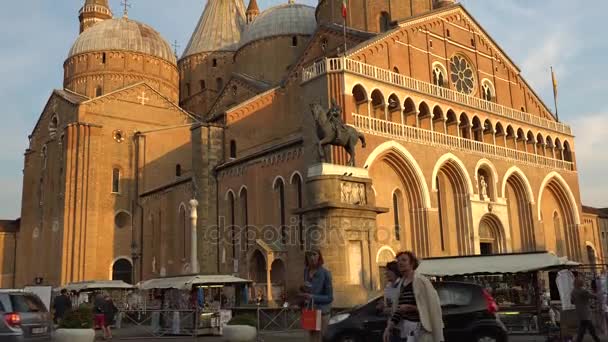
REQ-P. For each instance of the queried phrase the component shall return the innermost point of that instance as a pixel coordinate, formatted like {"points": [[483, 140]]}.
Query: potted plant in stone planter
{"points": [[76, 326], [241, 328]]}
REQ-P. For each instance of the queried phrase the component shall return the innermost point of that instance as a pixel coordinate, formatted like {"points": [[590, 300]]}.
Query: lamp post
{"points": [[193, 237]]}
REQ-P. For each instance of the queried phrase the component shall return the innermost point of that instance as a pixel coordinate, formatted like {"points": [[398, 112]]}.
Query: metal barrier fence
{"points": [[145, 324], [278, 319]]}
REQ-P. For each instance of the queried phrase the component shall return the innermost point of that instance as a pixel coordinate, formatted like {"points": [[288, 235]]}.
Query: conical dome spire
{"points": [[219, 28], [252, 10], [92, 12]]}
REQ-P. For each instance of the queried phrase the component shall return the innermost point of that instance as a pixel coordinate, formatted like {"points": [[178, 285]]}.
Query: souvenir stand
{"points": [[85, 292], [512, 279], [195, 304]]}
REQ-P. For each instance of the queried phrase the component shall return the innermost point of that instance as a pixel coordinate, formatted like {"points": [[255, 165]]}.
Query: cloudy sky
{"points": [[37, 34]]}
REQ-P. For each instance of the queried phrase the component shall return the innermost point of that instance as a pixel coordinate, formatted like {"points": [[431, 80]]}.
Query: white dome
{"points": [[123, 34], [288, 19]]}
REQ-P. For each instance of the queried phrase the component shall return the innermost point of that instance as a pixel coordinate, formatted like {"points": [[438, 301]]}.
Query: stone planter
{"points": [[239, 333], [74, 335]]}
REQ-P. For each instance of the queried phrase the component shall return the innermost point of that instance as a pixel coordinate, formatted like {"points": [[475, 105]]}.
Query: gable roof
{"points": [[467, 16], [65, 94], [253, 84], [143, 83], [359, 35]]}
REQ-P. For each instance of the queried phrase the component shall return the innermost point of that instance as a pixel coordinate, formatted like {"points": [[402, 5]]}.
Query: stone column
{"points": [[194, 236]]}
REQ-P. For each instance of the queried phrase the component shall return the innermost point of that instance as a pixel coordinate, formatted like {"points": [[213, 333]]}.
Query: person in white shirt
{"points": [[391, 296]]}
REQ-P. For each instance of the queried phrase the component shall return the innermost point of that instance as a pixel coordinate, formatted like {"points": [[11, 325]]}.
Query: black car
{"points": [[469, 314]]}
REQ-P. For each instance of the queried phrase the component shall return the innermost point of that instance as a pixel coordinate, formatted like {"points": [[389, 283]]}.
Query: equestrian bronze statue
{"points": [[332, 130]]}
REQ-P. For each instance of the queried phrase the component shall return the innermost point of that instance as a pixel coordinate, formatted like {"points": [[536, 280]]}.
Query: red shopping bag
{"points": [[311, 319]]}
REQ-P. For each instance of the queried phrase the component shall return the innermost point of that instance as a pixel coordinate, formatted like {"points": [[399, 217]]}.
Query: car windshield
{"points": [[454, 295], [26, 303], [373, 299]]}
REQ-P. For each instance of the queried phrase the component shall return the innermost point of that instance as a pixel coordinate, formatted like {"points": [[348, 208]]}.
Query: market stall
{"points": [[85, 291], [195, 304], [514, 280]]}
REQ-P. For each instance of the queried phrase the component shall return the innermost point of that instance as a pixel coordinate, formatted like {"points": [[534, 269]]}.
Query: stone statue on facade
{"points": [[331, 130], [483, 187]]}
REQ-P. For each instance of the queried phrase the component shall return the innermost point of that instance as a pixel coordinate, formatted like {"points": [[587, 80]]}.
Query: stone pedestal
{"points": [[340, 219]]}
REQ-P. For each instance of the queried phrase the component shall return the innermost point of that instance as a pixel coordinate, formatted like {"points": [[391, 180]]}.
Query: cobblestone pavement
{"points": [[294, 336]]}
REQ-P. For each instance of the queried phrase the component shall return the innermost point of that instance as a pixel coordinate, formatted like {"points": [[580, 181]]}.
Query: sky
{"points": [[36, 36]]}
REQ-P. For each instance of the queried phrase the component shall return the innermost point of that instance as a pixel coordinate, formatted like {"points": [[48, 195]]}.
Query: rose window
{"points": [[461, 75]]}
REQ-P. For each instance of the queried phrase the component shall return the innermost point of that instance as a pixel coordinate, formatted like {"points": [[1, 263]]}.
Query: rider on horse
{"points": [[335, 118]]}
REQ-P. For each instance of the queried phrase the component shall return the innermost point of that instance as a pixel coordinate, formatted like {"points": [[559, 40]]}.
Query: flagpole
{"points": [[344, 32], [344, 14], [554, 82]]}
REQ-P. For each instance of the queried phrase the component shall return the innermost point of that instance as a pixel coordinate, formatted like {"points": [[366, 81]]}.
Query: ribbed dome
{"points": [[219, 28], [281, 20], [123, 34]]}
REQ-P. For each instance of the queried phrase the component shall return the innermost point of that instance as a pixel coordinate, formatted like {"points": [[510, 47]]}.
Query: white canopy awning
{"points": [[492, 264], [186, 282], [97, 284]]}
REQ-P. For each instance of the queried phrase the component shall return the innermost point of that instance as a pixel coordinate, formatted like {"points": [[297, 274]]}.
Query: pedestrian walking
{"points": [[319, 293], [391, 296], [418, 314], [99, 310], [109, 312], [581, 299], [61, 305]]}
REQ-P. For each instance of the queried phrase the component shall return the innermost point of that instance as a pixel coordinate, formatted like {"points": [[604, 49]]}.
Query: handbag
{"points": [[311, 318]]}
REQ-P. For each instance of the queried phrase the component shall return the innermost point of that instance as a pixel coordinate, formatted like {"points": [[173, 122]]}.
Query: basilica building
{"points": [[461, 156]]}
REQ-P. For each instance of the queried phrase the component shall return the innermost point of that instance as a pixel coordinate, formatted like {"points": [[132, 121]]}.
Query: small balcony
{"points": [[336, 65], [502, 145]]}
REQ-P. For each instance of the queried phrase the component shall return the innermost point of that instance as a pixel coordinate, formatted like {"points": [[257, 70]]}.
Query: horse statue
{"points": [[331, 130]]}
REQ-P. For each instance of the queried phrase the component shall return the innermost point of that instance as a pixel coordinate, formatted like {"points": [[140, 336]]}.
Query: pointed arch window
{"points": [[178, 170], [439, 75], [440, 213], [53, 126], [98, 91], [279, 187], [244, 217], [232, 206], [294, 41], [116, 180], [298, 185], [487, 91], [183, 225], [232, 149], [44, 156], [396, 215], [385, 21]]}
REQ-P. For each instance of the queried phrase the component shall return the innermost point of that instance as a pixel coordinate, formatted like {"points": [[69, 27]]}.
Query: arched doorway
{"points": [[453, 186], [557, 201], [257, 267], [516, 189], [277, 278], [395, 171], [384, 256], [491, 239], [122, 270], [591, 255]]}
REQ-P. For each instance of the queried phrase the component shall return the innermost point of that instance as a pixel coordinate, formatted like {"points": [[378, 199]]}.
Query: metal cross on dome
{"points": [[125, 4], [175, 47], [143, 98]]}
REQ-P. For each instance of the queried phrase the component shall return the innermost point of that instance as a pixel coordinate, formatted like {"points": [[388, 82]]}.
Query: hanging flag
{"points": [[554, 83], [344, 9], [554, 80]]}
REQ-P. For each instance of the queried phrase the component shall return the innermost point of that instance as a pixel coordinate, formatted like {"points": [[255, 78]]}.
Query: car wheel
{"points": [[486, 336], [348, 338]]}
